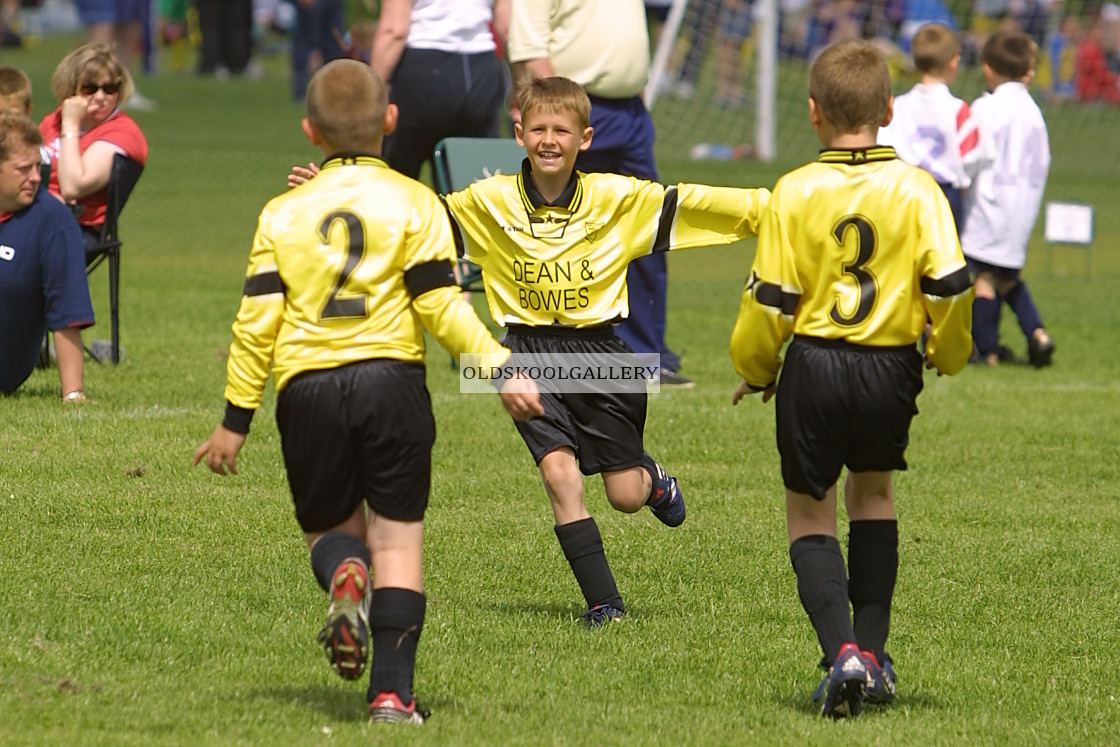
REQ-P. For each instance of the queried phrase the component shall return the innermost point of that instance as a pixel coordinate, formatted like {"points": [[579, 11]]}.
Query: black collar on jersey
{"points": [[857, 156], [569, 199], [350, 158]]}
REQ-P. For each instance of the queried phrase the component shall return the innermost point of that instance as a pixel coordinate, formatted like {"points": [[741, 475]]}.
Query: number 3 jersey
{"points": [[353, 265], [857, 246], [564, 263], [1002, 206]]}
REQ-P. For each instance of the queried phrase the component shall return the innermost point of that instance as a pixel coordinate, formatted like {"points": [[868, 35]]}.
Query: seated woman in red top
{"points": [[88, 128]]}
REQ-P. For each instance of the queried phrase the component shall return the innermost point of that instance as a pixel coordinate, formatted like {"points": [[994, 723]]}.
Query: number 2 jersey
{"points": [[933, 129], [352, 265], [564, 263], [857, 246]]}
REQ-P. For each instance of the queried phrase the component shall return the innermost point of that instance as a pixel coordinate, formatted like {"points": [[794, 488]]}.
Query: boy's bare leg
{"points": [[579, 537], [564, 485], [872, 572], [628, 489]]}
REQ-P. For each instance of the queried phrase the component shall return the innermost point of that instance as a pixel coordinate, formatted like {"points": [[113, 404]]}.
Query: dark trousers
{"points": [[315, 32], [227, 35]]}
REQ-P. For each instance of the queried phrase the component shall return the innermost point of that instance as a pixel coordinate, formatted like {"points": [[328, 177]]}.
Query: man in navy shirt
{"points": [[42, 267]]}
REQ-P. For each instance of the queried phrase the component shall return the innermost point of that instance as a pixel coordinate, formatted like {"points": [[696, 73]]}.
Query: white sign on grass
{"points": [[1069, 223]]}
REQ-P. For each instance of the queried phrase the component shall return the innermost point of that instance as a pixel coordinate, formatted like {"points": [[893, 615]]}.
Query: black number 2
{"points": [[867, 287], [355, 306]]}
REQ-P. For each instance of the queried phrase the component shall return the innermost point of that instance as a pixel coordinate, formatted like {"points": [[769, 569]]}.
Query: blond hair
{"points": [[17, 130], [15, 90], [934, 47], [851, 85], [555, 94], [346, 104], [85, 65]]}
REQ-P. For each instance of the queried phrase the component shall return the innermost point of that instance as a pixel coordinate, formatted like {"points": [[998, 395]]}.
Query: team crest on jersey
{"points": [[548, 224], [592, 228]]}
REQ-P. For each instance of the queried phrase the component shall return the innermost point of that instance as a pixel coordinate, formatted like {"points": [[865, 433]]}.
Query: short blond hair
{"points": [[556, 94], [17, 130], [934, 47], [15, 90], [84, 65], [346, 104], [851, 85]]}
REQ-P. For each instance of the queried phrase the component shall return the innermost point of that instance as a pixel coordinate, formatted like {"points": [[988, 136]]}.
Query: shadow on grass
{"points": [[562, 612], [802, 702], [341, 706]]}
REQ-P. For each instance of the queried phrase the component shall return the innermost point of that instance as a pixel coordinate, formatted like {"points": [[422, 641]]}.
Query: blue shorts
{"points": [[93, 12], [129, 11], [976, 266]]}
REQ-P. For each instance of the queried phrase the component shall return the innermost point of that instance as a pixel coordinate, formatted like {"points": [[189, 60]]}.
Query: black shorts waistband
{"points": [[821, 342], [596, 332]]}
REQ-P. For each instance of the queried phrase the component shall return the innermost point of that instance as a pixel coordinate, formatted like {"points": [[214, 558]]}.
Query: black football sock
{"points": [[822, 585], [1020, 300], [396, 619], [329, 552], [873, 569], [583, 547]]}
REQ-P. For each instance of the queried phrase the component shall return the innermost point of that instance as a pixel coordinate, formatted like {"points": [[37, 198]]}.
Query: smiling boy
{"points": [[554, 244]]}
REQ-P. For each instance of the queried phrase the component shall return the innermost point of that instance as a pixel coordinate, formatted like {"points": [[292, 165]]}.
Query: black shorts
{"points": [[841, 405], [358, 432], [976, 266], [603, 429]]}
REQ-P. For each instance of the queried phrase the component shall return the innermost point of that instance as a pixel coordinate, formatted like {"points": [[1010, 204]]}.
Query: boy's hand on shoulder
{"points": [[744, 389], [301, 174], [521, 398], [220, 450]]}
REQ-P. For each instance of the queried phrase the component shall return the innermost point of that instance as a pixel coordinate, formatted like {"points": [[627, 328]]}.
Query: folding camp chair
{"points": [[124, 175], [459, 161]]}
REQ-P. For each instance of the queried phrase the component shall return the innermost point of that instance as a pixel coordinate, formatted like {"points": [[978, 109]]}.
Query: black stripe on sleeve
{"points": [[428, 276], [952, 284], [665, 225], [460, 244], [263, 284], [772, 295]]}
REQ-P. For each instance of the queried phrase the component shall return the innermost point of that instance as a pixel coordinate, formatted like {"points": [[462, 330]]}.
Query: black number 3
{"points": [[867, 287], [355, 306]]}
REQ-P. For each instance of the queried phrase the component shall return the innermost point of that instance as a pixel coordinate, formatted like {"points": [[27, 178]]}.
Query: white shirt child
{"points": [[933, 129], [1013, 162]]}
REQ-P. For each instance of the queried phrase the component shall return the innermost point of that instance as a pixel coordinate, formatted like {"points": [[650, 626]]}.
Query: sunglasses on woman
{"points": [[110, 89]]}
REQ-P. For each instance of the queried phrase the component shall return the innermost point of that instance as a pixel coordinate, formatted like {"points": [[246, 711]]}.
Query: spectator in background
{"points": [[1063, 46], [42, 267], [316, 39], [1093, 80], [440, 62], [121, 24], [88, 128], [733, 31], [227, 37], [700, 23], [15, 91], [8, 36], [605, 48]]}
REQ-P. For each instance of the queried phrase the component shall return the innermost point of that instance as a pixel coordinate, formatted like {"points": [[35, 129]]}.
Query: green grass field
{"points": [[146, 602]]}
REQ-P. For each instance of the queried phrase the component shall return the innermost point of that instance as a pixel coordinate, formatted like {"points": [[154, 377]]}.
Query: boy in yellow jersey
{"points": [[854, 251], [345, 275], [554, 244]]}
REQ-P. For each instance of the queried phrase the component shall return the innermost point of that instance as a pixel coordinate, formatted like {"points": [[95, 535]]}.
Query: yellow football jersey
{"points": [[353, 265], [565, 263], [856, 246]]}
